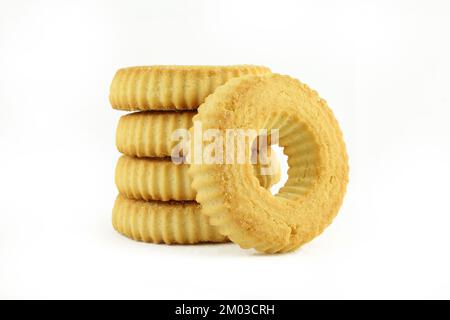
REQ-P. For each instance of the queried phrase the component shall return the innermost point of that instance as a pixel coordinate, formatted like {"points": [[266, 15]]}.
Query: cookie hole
{"points": [[284, 166], [272, 167], [303, 162], [289, 166]]}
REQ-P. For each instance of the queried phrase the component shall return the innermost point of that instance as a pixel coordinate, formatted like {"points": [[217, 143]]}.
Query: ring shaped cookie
{"points": [[149, 133], [161, 179], [163, 222], [171, 87], [318, 171]]}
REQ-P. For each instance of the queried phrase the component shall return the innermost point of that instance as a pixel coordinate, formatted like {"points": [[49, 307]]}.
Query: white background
{"points": [[383, 66]]}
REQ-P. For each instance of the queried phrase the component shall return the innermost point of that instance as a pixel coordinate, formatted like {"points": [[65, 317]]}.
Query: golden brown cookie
{"points": [[149, 134], [318, 165], [171, 87], [163, 222], [161, 179], [153, 179]]}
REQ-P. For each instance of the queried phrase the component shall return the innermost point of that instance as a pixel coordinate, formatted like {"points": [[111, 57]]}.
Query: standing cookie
{"points": [[318, 167]]}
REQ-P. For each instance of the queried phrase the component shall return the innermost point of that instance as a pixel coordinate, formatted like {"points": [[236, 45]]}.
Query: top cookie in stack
{"points": [[171, 87]]}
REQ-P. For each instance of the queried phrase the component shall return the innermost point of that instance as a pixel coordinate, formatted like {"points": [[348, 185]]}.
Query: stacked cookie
{"points": [[156, 202]]}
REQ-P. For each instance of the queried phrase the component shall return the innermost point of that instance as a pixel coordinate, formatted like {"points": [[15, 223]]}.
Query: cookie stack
{"points": [[156, 202]]}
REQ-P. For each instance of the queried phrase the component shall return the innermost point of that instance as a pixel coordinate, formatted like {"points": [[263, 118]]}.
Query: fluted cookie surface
{"points": [[161, 179], [163, 222], [318, 165], [151, 133], [171, 87], [153, 179]]}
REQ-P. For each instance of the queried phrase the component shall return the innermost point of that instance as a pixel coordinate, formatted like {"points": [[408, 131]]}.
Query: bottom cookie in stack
{"points": [[167, 222]]}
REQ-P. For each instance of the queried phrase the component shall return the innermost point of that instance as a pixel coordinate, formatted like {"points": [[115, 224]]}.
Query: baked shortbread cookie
{"points": [[171, 87], [161, 179], [163, 222], [149, 134], [318, 165]]}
